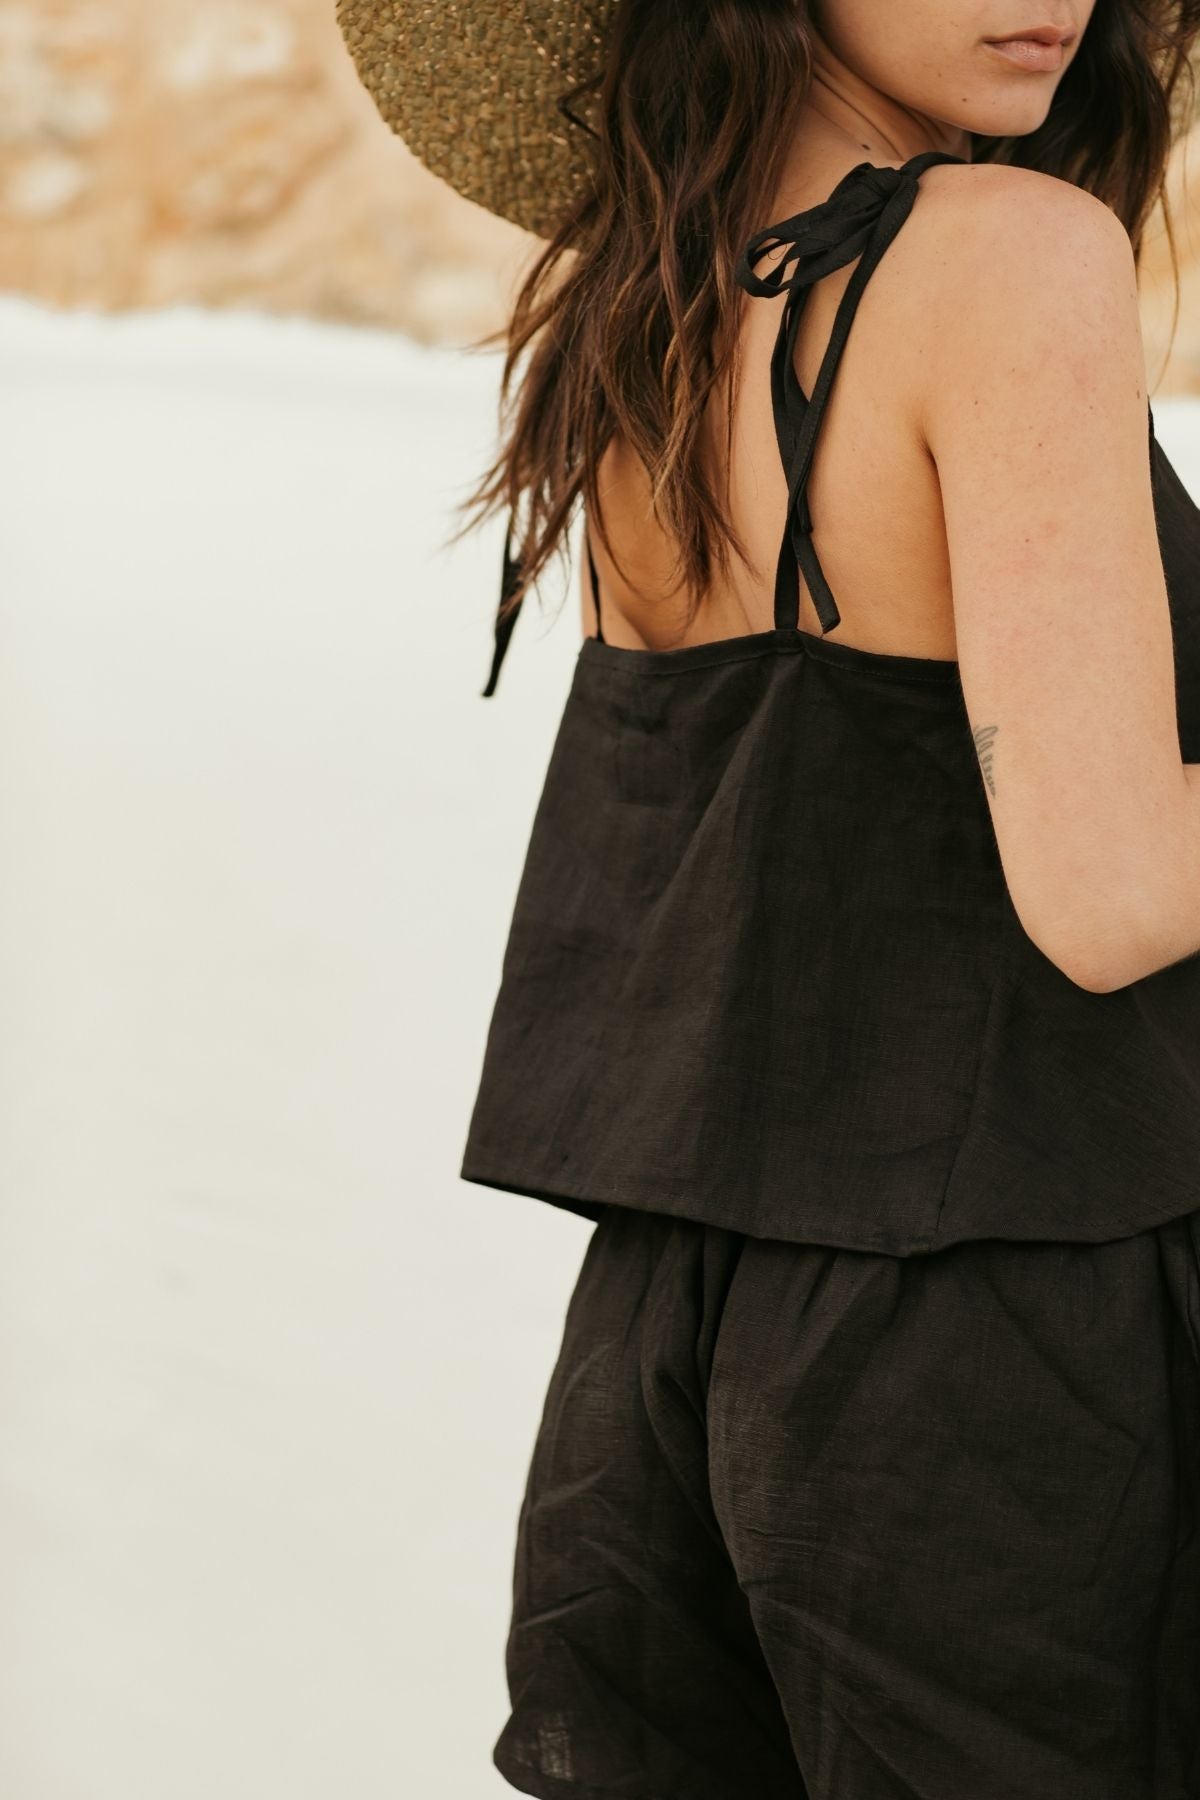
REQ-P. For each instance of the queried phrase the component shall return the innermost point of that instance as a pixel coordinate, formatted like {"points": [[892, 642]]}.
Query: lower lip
{"points": [[1027, 53]]}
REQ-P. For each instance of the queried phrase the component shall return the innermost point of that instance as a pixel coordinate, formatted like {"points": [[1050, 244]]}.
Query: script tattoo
{"points": [[983, 735]]}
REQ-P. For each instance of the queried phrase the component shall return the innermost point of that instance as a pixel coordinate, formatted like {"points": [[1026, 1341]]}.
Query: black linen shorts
{"points": [[806, 1523]]}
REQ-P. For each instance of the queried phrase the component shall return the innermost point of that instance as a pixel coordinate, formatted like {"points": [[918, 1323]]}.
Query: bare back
{"points": [[873, 490]]}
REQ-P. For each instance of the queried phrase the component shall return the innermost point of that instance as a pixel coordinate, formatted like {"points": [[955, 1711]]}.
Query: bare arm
{"points": [[1177, 931], [1034, 410]]}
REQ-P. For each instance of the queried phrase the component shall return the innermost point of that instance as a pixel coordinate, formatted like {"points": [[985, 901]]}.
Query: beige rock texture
{"points": [[224, 152]]}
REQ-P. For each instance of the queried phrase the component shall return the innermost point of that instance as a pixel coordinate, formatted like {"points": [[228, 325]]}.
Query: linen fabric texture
{"points": [[870, 1465], [805, 1523], [763, 969]]}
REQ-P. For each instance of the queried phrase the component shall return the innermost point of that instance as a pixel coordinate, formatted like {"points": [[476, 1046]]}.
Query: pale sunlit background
{"points": [[269, 1373]]}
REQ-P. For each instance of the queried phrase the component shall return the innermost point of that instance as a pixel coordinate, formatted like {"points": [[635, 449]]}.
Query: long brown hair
{"points": [[630, 308]]}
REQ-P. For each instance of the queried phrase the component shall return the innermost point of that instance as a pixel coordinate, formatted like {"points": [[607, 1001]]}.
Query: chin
{"points": [[1009, 117]]}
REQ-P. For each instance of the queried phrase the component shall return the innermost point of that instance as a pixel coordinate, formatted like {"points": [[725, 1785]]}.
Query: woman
{"points": [[850, 983]]}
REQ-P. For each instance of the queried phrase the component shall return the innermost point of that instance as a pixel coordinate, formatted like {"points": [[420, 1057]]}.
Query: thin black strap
{"points": [[859, 219], [510, 575], [587, 539]]}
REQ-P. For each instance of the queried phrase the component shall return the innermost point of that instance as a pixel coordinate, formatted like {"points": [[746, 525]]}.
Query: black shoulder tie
{"points": [[859, 219]]}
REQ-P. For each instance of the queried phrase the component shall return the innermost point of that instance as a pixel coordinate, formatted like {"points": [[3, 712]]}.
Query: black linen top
{"points": [[763, 969]]}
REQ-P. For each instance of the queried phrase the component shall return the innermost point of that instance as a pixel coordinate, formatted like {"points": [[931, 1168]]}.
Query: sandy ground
{"points": [[269, 1372]]}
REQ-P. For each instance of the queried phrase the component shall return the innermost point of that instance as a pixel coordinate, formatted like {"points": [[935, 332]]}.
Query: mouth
{"points": [[1039, 49]]}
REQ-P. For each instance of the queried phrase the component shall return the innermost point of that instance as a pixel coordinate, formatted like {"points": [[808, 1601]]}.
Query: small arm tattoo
{"points": [[983, 735]]}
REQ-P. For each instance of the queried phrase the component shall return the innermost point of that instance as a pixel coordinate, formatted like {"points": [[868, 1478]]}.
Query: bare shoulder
{"points": [[1014, 259], [975, 209], [995, 198]]}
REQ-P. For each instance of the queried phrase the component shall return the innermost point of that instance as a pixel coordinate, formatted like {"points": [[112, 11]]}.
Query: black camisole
{"points": [[763, 970]]}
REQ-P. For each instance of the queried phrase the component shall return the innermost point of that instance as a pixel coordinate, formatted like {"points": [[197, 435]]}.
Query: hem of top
{"points": [[915, 1244], [590, 1207], [559, 1787]]}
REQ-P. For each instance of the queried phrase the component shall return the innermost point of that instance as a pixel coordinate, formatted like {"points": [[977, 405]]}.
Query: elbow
{"points": [[1103, 946], [1108, 923], [1094, 977], [1107, 957]]}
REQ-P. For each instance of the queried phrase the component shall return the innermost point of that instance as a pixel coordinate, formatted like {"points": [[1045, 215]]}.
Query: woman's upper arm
{"points": [[1033, 406]]}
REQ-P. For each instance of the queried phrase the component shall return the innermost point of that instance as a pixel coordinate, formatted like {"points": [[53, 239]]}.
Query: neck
{"points": [[846, 114]]}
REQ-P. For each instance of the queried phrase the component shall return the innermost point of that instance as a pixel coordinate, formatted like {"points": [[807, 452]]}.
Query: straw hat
{"points": [[473, 87]]}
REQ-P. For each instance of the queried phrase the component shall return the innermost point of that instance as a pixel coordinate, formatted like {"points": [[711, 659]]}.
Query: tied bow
{"points": [[822, 238], [859, 219]]}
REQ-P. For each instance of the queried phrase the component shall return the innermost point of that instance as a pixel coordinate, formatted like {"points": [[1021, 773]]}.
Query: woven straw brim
{"points": [[472, 87]]}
